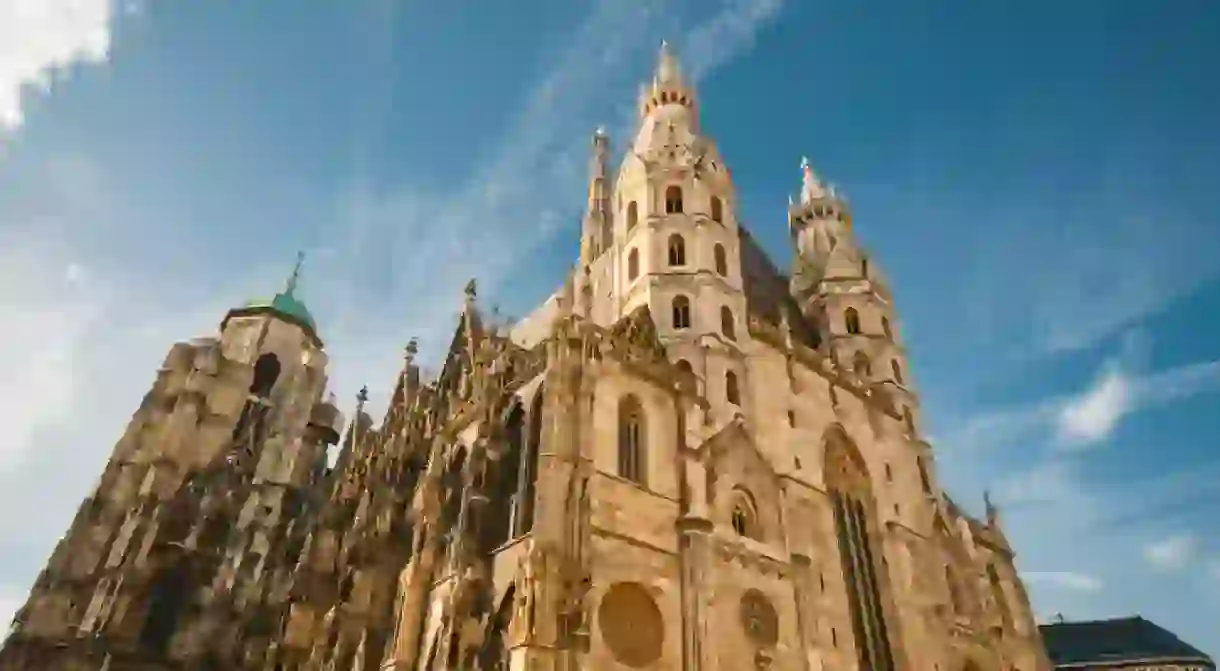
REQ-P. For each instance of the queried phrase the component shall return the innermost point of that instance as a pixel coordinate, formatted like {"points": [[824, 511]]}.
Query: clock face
{"points": [[759, 618]]}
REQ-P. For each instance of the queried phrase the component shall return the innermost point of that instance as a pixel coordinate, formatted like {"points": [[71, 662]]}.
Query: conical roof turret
{"points": [[668, 86]]}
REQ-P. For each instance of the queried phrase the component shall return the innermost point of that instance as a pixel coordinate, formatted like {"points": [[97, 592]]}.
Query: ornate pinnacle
{"points": [[362, 397], [472, 290], [411, 350]]}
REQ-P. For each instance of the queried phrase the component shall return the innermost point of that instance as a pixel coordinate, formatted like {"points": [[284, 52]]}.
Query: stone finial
{"points": [[362, 397], [471, 290], [811, 186], [668, 69], [993, 513], [411, 350]]}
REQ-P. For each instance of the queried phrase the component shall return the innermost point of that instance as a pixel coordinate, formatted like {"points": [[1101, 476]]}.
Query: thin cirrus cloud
{"points": [[1069, 580], [1173, 553], [85, 335]]}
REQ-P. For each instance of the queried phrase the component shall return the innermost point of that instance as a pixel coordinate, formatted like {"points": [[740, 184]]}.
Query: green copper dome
{"points": [[285, 304]]}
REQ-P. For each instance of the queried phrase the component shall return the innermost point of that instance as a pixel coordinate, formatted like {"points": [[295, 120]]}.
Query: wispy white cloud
{"points": [[1089, 417], [1173, 553], [39, 38], [1068, 580], [1093, 416]]}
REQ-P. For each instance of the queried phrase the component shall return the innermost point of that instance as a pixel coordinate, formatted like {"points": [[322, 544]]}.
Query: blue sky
{"points": [[1038, 179]]}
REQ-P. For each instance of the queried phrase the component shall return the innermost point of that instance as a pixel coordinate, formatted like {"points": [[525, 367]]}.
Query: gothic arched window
{"points": [[862, 365], [717, 210], [677, 250], [886, 328], [633, 215], [744, 516], [673, 200], [633, 264], [632, 451], [851, 320], [731, 393], [727, 325], [897, 370], [722, 262], [851, 500], [681, 312]]}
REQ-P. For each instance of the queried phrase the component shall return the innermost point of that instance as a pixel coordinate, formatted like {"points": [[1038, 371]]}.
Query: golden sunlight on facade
{"points": [[683, 459]]}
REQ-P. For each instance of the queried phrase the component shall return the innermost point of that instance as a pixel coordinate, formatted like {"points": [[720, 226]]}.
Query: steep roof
{"points": [[1131, 639]]}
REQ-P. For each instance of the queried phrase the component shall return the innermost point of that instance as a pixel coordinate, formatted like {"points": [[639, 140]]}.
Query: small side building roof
{"points": [[1118, 641]]}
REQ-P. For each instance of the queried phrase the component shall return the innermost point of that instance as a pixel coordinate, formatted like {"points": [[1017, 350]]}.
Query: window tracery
{"points": [[851, 498], [673, 199], [677, 250], [681, 312], [631, 440]]}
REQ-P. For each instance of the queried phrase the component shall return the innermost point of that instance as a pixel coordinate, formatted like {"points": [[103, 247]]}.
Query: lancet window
{"points": [[851, 500], [632, 452]]}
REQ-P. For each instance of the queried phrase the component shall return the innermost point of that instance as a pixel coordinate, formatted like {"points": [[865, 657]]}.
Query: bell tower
{"points": [[678, 236], [167, 553], [843, 292]]}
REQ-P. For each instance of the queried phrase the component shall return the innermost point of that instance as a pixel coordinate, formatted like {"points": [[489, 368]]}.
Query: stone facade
{"points": [[682, 460]]}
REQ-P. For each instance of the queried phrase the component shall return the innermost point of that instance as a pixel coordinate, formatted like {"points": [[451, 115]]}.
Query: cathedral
{"points": [[684, 459]]}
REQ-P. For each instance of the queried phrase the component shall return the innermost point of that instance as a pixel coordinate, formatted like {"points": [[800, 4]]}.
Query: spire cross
{"points": [[295, 277]]}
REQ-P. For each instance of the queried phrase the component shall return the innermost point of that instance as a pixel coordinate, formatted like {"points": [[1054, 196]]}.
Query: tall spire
{"points": [[290, 286], [597, 232]]}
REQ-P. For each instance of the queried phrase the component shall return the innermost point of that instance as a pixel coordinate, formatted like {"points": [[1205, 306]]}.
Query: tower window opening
{"points": [[727, 326], [633, 264], [722, 262], [681, 312], [717, 210], [851, 319], [862, 365], [677, 250], [673, 200], [741, 520], [897, 370], [168, 601], [633, 215], [731, 393], [631, 448], [908, 419], [886, 328], [923, 476], [266, 372]]}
